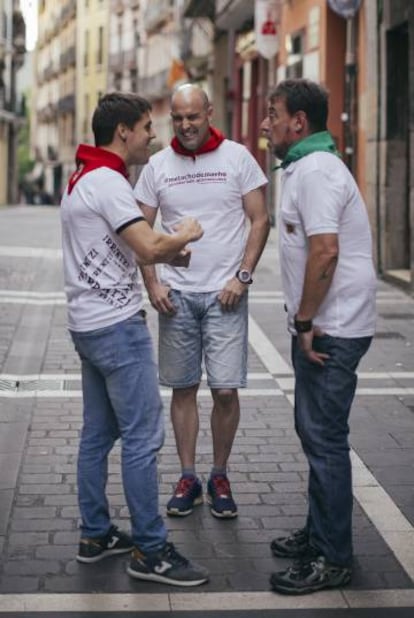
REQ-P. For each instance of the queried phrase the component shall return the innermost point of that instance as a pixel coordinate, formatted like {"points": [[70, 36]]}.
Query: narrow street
{"points": [[40, 418]]}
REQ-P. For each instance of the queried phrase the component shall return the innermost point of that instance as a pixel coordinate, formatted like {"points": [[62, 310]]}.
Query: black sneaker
{"points": [[295, 545], [310, 576], [220, 498], [187, 494], [115, 542], [166, 567]]}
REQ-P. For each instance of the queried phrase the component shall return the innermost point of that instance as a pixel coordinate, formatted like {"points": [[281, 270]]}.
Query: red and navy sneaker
{"points": [[187, 494], [220, 498]]}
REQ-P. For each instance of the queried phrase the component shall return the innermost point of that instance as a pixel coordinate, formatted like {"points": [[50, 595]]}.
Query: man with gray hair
{"points": [[329, 284]]}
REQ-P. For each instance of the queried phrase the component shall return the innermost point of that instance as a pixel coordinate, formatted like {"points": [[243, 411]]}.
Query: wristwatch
{"points": [[244, 276], [302, 326]]}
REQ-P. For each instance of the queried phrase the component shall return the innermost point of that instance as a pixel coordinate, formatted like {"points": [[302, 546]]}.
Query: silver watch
{"points": [[244, 276]]}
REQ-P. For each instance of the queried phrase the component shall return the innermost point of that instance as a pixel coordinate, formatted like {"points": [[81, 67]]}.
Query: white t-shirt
{"points": [[101, 278], [209, 188], [320, 196]]}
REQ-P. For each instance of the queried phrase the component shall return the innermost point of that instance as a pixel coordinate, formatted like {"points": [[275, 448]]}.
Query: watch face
{"points": [[244, 276]]}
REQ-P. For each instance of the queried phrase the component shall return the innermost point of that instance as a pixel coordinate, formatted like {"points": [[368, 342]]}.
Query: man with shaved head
{"points": [[202, 303]]}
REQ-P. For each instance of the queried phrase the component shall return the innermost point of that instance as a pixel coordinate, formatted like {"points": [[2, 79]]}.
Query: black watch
{"points": [[244, 276], [303, 326]]}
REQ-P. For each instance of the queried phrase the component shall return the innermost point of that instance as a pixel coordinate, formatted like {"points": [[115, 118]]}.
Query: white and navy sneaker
{"points": [[113, 543], [166, 566]]}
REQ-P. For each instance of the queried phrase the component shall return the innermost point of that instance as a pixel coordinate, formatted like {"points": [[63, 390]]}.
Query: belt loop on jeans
{"points": [[142, 313]]}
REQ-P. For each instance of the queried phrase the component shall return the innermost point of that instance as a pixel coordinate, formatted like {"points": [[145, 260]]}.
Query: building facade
{"points": [[93, 19], [12, 51]]}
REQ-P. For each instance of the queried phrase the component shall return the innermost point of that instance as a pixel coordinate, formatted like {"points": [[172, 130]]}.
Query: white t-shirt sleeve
{"points": [[320, 202], [250, 173], [145, 190], [117, 202]]}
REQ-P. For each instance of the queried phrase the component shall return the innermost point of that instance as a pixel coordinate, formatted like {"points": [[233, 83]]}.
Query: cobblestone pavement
{"points": [[40, 417]]}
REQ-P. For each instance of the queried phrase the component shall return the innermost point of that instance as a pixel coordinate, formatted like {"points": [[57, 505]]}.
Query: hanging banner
{"points": [[266, 20], [345, 8]]}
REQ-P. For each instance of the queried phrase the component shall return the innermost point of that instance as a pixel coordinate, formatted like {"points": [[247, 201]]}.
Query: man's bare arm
{"points": [[157, 292], [152, 247], [320, 268], [255, 208]]}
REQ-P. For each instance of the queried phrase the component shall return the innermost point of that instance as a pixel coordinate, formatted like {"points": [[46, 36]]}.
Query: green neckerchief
{"points": [[316, 142]]}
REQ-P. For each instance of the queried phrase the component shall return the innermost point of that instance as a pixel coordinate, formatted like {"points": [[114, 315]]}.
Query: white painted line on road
{"points": [[392, 525], [68, 394], [390, 522], [146, 604], [399, 391], [266, 351], [15, 300], [253, 375], [67, 377], [32, 377], [30, 252], [20, 294]]}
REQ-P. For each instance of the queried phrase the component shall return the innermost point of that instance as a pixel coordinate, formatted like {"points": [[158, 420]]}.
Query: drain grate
{"points": [[39, 385], [8, 385]]}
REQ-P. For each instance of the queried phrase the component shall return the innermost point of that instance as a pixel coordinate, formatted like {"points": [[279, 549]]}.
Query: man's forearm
{"points": [[318, 278], [256, 241], [149, 275]]}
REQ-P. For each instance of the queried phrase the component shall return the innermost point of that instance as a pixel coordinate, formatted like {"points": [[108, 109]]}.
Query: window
{"points": [[86, 52], [294, 48], [99, 58]]}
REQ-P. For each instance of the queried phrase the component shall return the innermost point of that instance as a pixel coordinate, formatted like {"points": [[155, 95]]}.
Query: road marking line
{"points": [[202, 601], [30, 252], [390, 522], [48, 393], [392, 525], [287, 382], [264, 348]]}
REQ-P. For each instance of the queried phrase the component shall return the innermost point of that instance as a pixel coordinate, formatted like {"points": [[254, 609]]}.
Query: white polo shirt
{"points": [[209, 188], [101, 278], [320, 196]]}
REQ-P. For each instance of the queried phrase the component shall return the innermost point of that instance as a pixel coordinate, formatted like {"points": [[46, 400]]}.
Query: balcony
{"points": [[157, 13], [68, 58], [49, 72], [68, 12], [116, 61], [118, 7], [66, 104], [155, 86], [130, 59], [47, 113], [232, 16], [197, 8]]}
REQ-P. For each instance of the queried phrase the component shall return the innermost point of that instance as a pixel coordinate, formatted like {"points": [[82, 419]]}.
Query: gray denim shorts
{"points": [[201, 331]]}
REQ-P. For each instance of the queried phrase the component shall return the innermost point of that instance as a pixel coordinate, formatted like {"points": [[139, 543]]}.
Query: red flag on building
{"points": [[177, 73], [266, 19]]}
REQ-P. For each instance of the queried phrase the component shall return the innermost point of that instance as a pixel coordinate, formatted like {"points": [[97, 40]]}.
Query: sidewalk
{"points": [[40, 417]]}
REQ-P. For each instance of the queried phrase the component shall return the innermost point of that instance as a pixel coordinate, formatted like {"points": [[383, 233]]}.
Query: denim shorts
{"points": [[201, 331]]}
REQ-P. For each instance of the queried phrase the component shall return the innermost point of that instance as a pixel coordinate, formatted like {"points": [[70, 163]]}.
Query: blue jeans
{"points": [[121, 399], [323, 399], [201, 328]]}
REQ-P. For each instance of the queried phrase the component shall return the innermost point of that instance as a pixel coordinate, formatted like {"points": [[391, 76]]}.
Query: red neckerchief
{"points": [[89, 158], [213, 142]]}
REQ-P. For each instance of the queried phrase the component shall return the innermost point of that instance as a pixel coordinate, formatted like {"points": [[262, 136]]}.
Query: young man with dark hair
{"points": [[329, 284], [104, 234]]}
